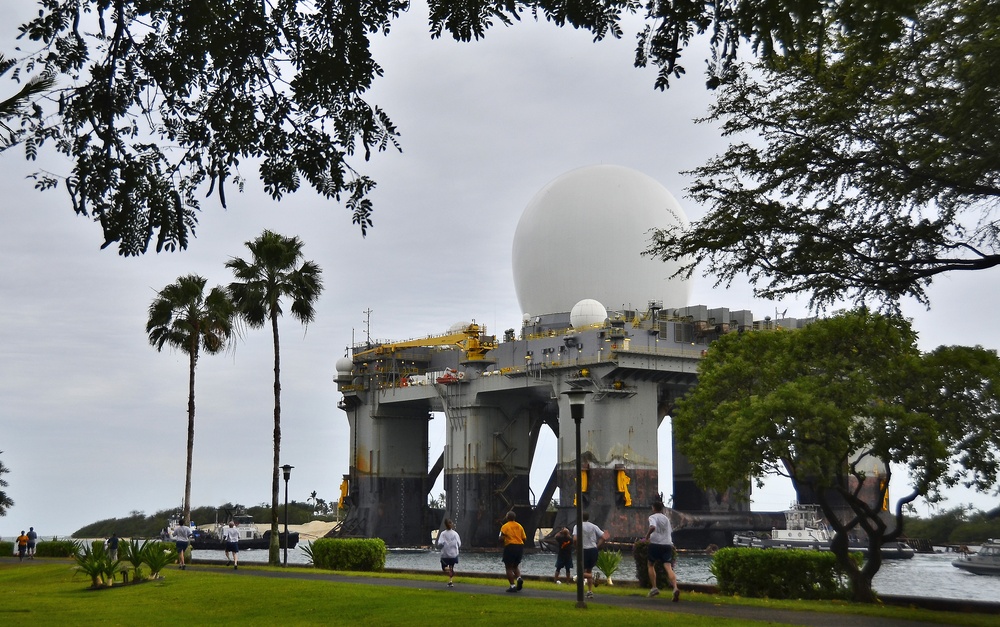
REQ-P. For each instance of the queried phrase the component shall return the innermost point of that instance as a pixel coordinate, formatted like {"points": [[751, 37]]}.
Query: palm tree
{"points": [[5, 501], [183, 317], [272, 274], [13, 105]]}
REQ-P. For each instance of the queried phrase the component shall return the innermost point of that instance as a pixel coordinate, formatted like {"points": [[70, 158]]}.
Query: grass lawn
{"points": [[52, 592]]}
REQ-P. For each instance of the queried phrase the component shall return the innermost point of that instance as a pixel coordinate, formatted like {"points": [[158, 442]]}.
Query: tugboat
{"points": [[985, 561], [805, 529], [250, 536]]}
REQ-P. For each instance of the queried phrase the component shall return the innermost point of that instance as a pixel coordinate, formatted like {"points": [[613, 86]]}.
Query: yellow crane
{"points": [[471, 339]]}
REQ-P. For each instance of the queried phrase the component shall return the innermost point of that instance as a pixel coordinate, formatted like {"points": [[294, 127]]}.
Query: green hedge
{"points": [[49, 548], [349, 554], [57, 548], [780, 573]]}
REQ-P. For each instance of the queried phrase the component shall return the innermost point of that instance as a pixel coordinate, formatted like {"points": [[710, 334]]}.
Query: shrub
{"points": [[307, 548], [608, 563], [95, 562], [57, 548], [349, 554], [779, 573], [157, 555], [135, 554], [7, 548]]}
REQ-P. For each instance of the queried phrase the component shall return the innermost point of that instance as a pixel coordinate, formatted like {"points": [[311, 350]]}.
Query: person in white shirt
{"points": [[449, 542], [232, 537], [182, 537], [661, 550], [592, 537]]}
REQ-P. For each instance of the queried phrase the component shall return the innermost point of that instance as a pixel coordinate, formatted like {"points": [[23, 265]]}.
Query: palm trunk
{"points": [[273, 555], [192, 363]]}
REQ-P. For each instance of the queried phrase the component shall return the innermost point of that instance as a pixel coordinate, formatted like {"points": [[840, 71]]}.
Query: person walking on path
{"points": [[564, 554], [32, 539], [449, 542], [232, 537], [112, 545], [22, 546], [661, 550], [182, 537], [513, 537], [592, 537]]}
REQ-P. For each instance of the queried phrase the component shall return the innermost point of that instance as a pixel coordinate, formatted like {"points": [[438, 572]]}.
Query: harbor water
{"points": [[927, 574]]}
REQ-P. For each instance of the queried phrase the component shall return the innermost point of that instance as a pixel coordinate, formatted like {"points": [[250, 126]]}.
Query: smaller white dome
{"points": [[587, 312], [344, 365]]}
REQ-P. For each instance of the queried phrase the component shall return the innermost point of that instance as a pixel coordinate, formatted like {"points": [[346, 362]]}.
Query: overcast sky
{"points": [[94, 419]]}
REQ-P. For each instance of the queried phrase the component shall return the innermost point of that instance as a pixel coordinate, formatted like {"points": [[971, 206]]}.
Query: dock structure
{"points": [[497, 395]]}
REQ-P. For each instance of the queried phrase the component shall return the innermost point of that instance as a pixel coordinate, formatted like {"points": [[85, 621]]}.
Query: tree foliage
{"points": [[183, 317], [5, 501], [828, 404], [275, 271], [772, 29], [138, 525], [870, 176], [959, 525], [158, 98]]}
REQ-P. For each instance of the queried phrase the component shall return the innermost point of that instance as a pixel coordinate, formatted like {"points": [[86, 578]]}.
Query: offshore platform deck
{"points": [[497, 395]]}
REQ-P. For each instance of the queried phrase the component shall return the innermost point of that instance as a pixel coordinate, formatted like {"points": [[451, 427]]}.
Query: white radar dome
{"points": [[582, 236], [344, 365], [587, 312]]}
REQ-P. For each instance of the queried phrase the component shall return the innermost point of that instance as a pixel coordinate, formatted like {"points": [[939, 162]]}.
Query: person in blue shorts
{"points": [[564, 554], [32, 539], [232, 537], [182, 537], [661, 550], [592, 537]]}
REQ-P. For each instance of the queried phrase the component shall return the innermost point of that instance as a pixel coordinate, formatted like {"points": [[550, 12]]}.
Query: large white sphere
{"points": [[587, 312], [344, 365], [582, 236]]}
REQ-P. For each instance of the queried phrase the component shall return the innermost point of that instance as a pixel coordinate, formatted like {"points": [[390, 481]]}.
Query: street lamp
{"points": [[577, 397], [287, 471]]}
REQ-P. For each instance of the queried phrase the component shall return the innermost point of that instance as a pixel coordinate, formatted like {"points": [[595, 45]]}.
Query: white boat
{"points": [[213, 539], [985, 561], [806, 529]]}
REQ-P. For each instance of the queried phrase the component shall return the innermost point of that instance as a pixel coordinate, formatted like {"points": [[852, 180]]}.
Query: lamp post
{"points": [[577, 397], [287, 471]]}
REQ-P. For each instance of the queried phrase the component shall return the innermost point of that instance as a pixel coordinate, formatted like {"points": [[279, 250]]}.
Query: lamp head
{"points": [[577, 396], [287, 471]]}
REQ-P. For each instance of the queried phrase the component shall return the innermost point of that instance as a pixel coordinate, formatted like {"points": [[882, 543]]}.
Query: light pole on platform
{"points": [[577, 397], [287, 471]]}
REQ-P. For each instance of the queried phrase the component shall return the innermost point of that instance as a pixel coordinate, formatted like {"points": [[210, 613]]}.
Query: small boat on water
{"points": [[213, 539], [806, 529], [985, 561]]}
